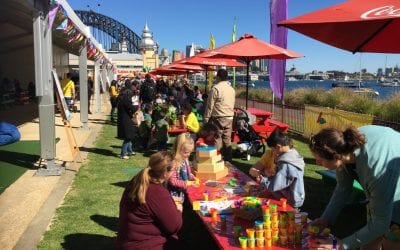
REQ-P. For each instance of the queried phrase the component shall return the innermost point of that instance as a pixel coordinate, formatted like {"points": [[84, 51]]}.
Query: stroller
{"points": [[249, 141]]}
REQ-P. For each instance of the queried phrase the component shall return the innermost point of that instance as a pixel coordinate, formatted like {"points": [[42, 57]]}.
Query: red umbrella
{"points": [[209, 61], [177, 65], [199, 59], [249, 48], [168, 72], [356, 26], [176, 69]]}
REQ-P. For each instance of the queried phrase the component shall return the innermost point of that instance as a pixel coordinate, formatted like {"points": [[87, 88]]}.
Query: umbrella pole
{"points": [[206, 83], [273, 102], [247, 83]]}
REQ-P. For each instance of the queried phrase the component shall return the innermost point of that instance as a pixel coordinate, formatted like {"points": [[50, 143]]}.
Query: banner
{"points": [[278, 36], [317, 118]]}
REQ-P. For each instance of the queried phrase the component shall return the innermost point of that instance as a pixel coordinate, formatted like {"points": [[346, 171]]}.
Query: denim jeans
{"points": [[126, 147], [68, 102]]}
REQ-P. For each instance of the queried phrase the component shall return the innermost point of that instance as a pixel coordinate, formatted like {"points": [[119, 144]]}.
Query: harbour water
{"points": [[384, 92]]}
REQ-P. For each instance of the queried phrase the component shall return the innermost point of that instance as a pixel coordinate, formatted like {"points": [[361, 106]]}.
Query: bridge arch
{"points": [[109, 32]]}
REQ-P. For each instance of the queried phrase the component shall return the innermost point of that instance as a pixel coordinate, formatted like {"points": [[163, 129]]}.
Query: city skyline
{"points": [[178, 24]]}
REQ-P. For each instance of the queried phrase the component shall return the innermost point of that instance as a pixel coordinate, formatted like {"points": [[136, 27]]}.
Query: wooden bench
{"points": [[329, 177]]}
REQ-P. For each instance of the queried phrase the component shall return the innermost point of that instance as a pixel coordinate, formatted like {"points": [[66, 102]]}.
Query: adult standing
{"points": [[148, 216], [219, 110], [147, 90], [68, 88], [126, 127], [90, 85], [113, 98], [371, 155]]}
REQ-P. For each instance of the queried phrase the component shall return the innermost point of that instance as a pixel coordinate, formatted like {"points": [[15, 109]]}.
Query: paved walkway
{"points": [[27, 206]]}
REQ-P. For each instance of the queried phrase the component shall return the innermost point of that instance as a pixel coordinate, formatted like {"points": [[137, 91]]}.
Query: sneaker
{"points": [[132, 153], [125, 157]]}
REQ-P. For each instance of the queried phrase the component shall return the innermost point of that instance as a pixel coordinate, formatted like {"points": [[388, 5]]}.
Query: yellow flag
{"points": [[212, 41], [234, 31], [211, 73]]}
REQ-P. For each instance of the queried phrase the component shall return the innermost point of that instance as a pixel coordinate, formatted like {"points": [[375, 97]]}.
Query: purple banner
{"points": [[52, 15], [278, 36]]}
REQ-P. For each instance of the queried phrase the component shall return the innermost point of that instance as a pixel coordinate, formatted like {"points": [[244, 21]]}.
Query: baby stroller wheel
{"points": [[248, 157]]}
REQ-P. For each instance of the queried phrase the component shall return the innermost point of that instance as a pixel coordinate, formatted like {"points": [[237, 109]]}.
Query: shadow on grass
{"points": [[99, 151], [106, 221], [88, 242], [310, 161], [120, 184], [18, 159]]}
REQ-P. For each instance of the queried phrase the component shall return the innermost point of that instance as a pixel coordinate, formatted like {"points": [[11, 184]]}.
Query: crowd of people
{"points": [[147, 110], [151, 206]]}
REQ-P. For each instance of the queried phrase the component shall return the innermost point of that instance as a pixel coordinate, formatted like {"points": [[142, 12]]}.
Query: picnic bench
{"points": [[329, 177]]}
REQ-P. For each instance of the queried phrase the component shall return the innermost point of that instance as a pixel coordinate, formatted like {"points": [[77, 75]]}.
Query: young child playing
{"points": [[189, 120], [265, 166], [161, 132], [207, 135], [182, 177], [287, 182], [145, 126]]}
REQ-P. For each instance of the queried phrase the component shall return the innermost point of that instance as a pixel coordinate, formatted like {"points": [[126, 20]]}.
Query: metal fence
{"points": [[394, 124], [291, 115], [295, 115]]}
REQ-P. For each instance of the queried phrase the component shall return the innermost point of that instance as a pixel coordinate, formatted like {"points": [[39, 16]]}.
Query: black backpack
{"points": [[148, 91]]}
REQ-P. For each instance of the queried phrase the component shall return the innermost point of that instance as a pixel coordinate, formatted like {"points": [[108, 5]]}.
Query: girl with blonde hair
{"points": [[182, 177]]}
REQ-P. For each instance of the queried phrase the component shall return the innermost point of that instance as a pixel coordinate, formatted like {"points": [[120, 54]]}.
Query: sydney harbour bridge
{"points": [[109, 32]]}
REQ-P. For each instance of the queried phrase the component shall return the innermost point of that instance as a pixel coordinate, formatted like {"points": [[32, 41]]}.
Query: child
{"points": [[265, 166], [207, 135], [161, 132], [288, 179], [182, 177], [145, 126], [189, 119], [158, 99], [172, 101]]}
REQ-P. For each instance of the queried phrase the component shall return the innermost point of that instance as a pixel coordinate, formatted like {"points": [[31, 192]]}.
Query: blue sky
{"points": [[177, 23]]}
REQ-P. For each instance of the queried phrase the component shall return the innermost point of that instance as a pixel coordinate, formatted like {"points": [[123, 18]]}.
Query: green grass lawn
{"points": [[15, 159], [88, 217]]}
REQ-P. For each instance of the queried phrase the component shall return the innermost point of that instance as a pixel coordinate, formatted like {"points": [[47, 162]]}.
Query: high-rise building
{"points": [[176, 55], [197, 49]]}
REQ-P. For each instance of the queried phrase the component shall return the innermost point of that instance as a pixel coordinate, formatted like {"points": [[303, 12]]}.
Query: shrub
{"points": [[391, 108], [334, 97], [303, 96], [341, 98]]}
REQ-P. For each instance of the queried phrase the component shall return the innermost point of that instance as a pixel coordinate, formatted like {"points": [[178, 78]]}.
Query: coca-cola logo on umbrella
{"points": [[384, 11]]}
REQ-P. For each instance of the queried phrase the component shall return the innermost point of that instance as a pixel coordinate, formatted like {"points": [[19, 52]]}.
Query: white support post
{"points": [[83, 88], [43, 65], [97, 99]]}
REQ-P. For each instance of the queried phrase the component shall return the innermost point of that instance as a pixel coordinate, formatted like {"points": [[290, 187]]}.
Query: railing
{"points": [[294, 115], [394, 124], [291, 115]]}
